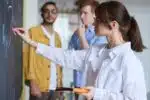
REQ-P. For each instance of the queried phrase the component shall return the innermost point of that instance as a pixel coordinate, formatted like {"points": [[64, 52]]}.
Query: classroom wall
{"points": [[30, 19]]}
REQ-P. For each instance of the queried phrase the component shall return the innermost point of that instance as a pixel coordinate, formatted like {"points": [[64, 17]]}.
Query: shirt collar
{"points": [[113, 52], [121, 48], [46, 33], [91, 28]]}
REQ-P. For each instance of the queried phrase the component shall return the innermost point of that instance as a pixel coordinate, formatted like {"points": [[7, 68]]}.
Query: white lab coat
{"points": [[120, 77]]}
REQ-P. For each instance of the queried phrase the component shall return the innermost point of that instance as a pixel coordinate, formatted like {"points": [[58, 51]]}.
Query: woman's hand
{"points": [[21, 32], [90, 94]]}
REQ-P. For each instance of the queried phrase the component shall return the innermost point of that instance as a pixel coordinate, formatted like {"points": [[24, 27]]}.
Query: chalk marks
{"points": [[6, 40]]}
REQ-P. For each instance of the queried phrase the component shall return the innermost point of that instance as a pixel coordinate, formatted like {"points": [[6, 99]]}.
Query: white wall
{"points": [[30, 13]]}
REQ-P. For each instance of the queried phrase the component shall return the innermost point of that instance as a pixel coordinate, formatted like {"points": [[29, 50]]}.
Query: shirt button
{"points": [[48, 66], [47, 90], [47, 78]]}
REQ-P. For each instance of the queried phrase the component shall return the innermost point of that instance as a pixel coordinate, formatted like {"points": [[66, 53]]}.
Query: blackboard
{"points": [[11, 12]]}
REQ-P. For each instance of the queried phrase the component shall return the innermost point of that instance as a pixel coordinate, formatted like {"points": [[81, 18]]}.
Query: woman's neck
{"points": [[114, 41]]}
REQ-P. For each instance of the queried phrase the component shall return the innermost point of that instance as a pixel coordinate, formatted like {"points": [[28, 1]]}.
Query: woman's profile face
{"points": [[101, 29]]}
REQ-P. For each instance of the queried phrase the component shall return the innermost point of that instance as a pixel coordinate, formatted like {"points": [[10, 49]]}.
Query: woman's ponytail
{"points": [[134, 36]]}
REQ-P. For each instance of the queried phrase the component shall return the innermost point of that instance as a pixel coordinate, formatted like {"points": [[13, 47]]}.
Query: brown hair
{"points": [[116, 11], [82, 3]]}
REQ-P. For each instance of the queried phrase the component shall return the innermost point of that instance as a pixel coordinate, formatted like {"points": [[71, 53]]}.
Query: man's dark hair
{"points": [[46, 4]]}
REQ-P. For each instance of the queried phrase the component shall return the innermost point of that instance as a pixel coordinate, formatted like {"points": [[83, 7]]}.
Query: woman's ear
{"points": [[114, 25]]}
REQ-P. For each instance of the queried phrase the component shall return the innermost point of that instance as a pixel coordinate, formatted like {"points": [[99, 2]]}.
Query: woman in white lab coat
{"points": [[111, 71]]}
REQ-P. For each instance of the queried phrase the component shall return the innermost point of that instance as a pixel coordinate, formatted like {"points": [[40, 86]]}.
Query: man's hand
{"points": [[81, 34], [34, 89], [81, 31], [21, 32]]}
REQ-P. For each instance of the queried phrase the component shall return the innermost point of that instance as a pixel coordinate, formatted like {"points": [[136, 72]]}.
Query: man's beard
{"points": [[48, 23]]}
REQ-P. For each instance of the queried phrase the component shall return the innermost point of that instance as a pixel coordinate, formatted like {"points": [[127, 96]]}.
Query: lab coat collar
{"points": [[113, 52]]}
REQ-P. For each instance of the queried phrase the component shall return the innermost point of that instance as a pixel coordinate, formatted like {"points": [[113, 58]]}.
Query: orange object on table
{"points": [[75, 90], [80, 90]]}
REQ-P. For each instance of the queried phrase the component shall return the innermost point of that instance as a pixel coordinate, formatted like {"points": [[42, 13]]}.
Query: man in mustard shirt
{"points": [[43, 75]]}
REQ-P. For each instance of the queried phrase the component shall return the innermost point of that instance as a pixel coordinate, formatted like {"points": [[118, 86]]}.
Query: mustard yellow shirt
{"points": [[37, 67]]}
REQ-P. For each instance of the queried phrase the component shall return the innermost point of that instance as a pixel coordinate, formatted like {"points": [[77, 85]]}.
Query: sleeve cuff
{"points": [[99, 94]]}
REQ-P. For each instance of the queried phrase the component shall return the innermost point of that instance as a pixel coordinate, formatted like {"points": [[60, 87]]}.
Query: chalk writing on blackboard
{"points": [[6, 40]]}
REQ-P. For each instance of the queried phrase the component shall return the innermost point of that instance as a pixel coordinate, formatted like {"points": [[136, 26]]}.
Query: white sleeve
{"points": [[133, 87], [67, 58]]}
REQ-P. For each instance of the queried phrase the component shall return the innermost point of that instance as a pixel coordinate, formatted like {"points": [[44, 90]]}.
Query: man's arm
{"points": [[83, 41], [73, 42]]}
